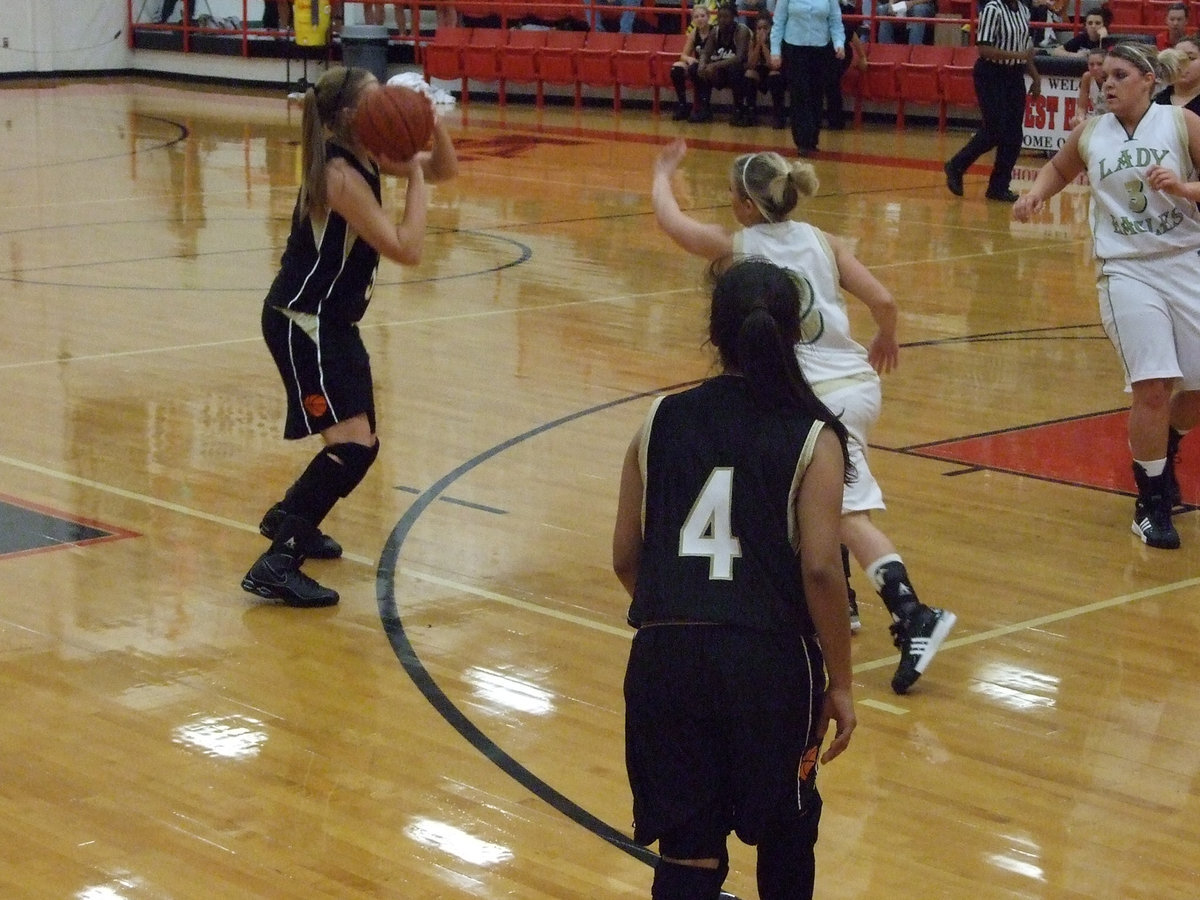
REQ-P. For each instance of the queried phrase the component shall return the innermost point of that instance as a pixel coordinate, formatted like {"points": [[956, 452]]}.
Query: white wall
{"points": [[82, 35], [63, 35]]}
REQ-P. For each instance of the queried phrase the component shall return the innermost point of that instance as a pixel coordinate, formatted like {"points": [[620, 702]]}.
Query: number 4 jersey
{"points": [[1129, 218], [719, 535]]}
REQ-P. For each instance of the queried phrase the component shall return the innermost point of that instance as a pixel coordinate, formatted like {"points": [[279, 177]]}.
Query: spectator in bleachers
{"points": [[923, 9], [1185, 89], [374, 14], [168, 10], [761, 79], [1177, 17], [808, 41], [722, 63], [1045, 11], [1095, 30], [595, 18], [684, 68], [277, 14], [750, 10]]}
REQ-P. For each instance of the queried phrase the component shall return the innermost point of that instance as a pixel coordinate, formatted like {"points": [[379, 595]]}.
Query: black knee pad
{"points": [[355, 460], [673, 881]]}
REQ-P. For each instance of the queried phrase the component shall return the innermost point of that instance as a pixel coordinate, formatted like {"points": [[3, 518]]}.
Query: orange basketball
{"points": [[394, 121]]}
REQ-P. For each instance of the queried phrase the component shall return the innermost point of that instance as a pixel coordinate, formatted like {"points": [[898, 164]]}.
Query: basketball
{"points": [[394, 121]]}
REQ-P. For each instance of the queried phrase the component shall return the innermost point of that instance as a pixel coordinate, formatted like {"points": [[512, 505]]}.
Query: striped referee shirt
{"points": [[1005, 28]]}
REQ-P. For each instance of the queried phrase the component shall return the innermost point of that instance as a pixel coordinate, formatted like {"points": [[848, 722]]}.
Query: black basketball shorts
{"points": [[326, 374], [717, 723]]}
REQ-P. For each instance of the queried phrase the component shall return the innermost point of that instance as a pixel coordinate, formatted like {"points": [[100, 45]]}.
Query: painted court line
{"points": [[389, 323], [592, 624]]}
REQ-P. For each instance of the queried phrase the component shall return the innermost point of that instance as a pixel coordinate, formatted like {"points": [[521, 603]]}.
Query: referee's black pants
{"points": [[807, 70], [1001, 93]]}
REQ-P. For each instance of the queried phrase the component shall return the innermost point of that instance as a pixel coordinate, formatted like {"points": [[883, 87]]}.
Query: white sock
{"points": [[1153, 468]]}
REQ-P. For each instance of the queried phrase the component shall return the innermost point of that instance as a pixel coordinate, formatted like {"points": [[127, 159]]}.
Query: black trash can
{"points": [[366, 46]]}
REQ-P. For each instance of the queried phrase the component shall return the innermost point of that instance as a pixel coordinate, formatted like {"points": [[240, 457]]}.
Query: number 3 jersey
{"points": [[1129, 218], [719, 538]]}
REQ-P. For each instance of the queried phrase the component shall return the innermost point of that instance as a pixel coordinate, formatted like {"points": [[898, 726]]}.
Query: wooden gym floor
{"points": [[454, 727]]}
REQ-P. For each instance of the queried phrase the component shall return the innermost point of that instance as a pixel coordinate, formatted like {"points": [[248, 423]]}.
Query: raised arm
{"points": [[706, 241], [350, 196], [439, 163]]}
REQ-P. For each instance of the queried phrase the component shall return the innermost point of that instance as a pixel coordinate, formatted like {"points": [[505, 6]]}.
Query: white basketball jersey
{"points": [[826, 350], [1129, 219]]}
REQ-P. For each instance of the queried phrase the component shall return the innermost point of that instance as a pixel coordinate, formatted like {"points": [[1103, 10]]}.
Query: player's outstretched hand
{"points": [[884, 353], [670, 158], [1026, 206]]}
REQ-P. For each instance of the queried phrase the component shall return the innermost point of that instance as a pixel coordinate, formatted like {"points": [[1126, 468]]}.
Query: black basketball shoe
{"points": [[319, 546], [918, 638], [1152, 511], [276, 574]]}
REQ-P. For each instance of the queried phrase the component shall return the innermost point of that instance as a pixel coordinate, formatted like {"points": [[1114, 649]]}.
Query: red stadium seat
{"points": [[1154, 14], [1126, 14], [556, 60], [633, 65], [594, 61], [958, 79], [518, 59], [881, 82], [663, 60], [481, 57], [443, 55], [919, 80]]}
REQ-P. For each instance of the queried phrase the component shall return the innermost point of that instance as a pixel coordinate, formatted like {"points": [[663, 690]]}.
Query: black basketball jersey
{"points": [[326, 270], [722, 43], [719, 536]]}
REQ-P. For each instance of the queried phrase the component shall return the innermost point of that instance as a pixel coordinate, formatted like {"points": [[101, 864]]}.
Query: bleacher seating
{"points": [[634, 64], [443, 55], [518, 58], [556, 61], [880, 83], [594, 61], [481, 58], [898, 75], [918, 80], [958, 79], [1126, 13], [663, 60], [1154, 14]]}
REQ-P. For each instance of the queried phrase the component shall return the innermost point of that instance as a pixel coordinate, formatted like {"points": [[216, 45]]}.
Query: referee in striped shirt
{"points": [[1005, 55]]}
